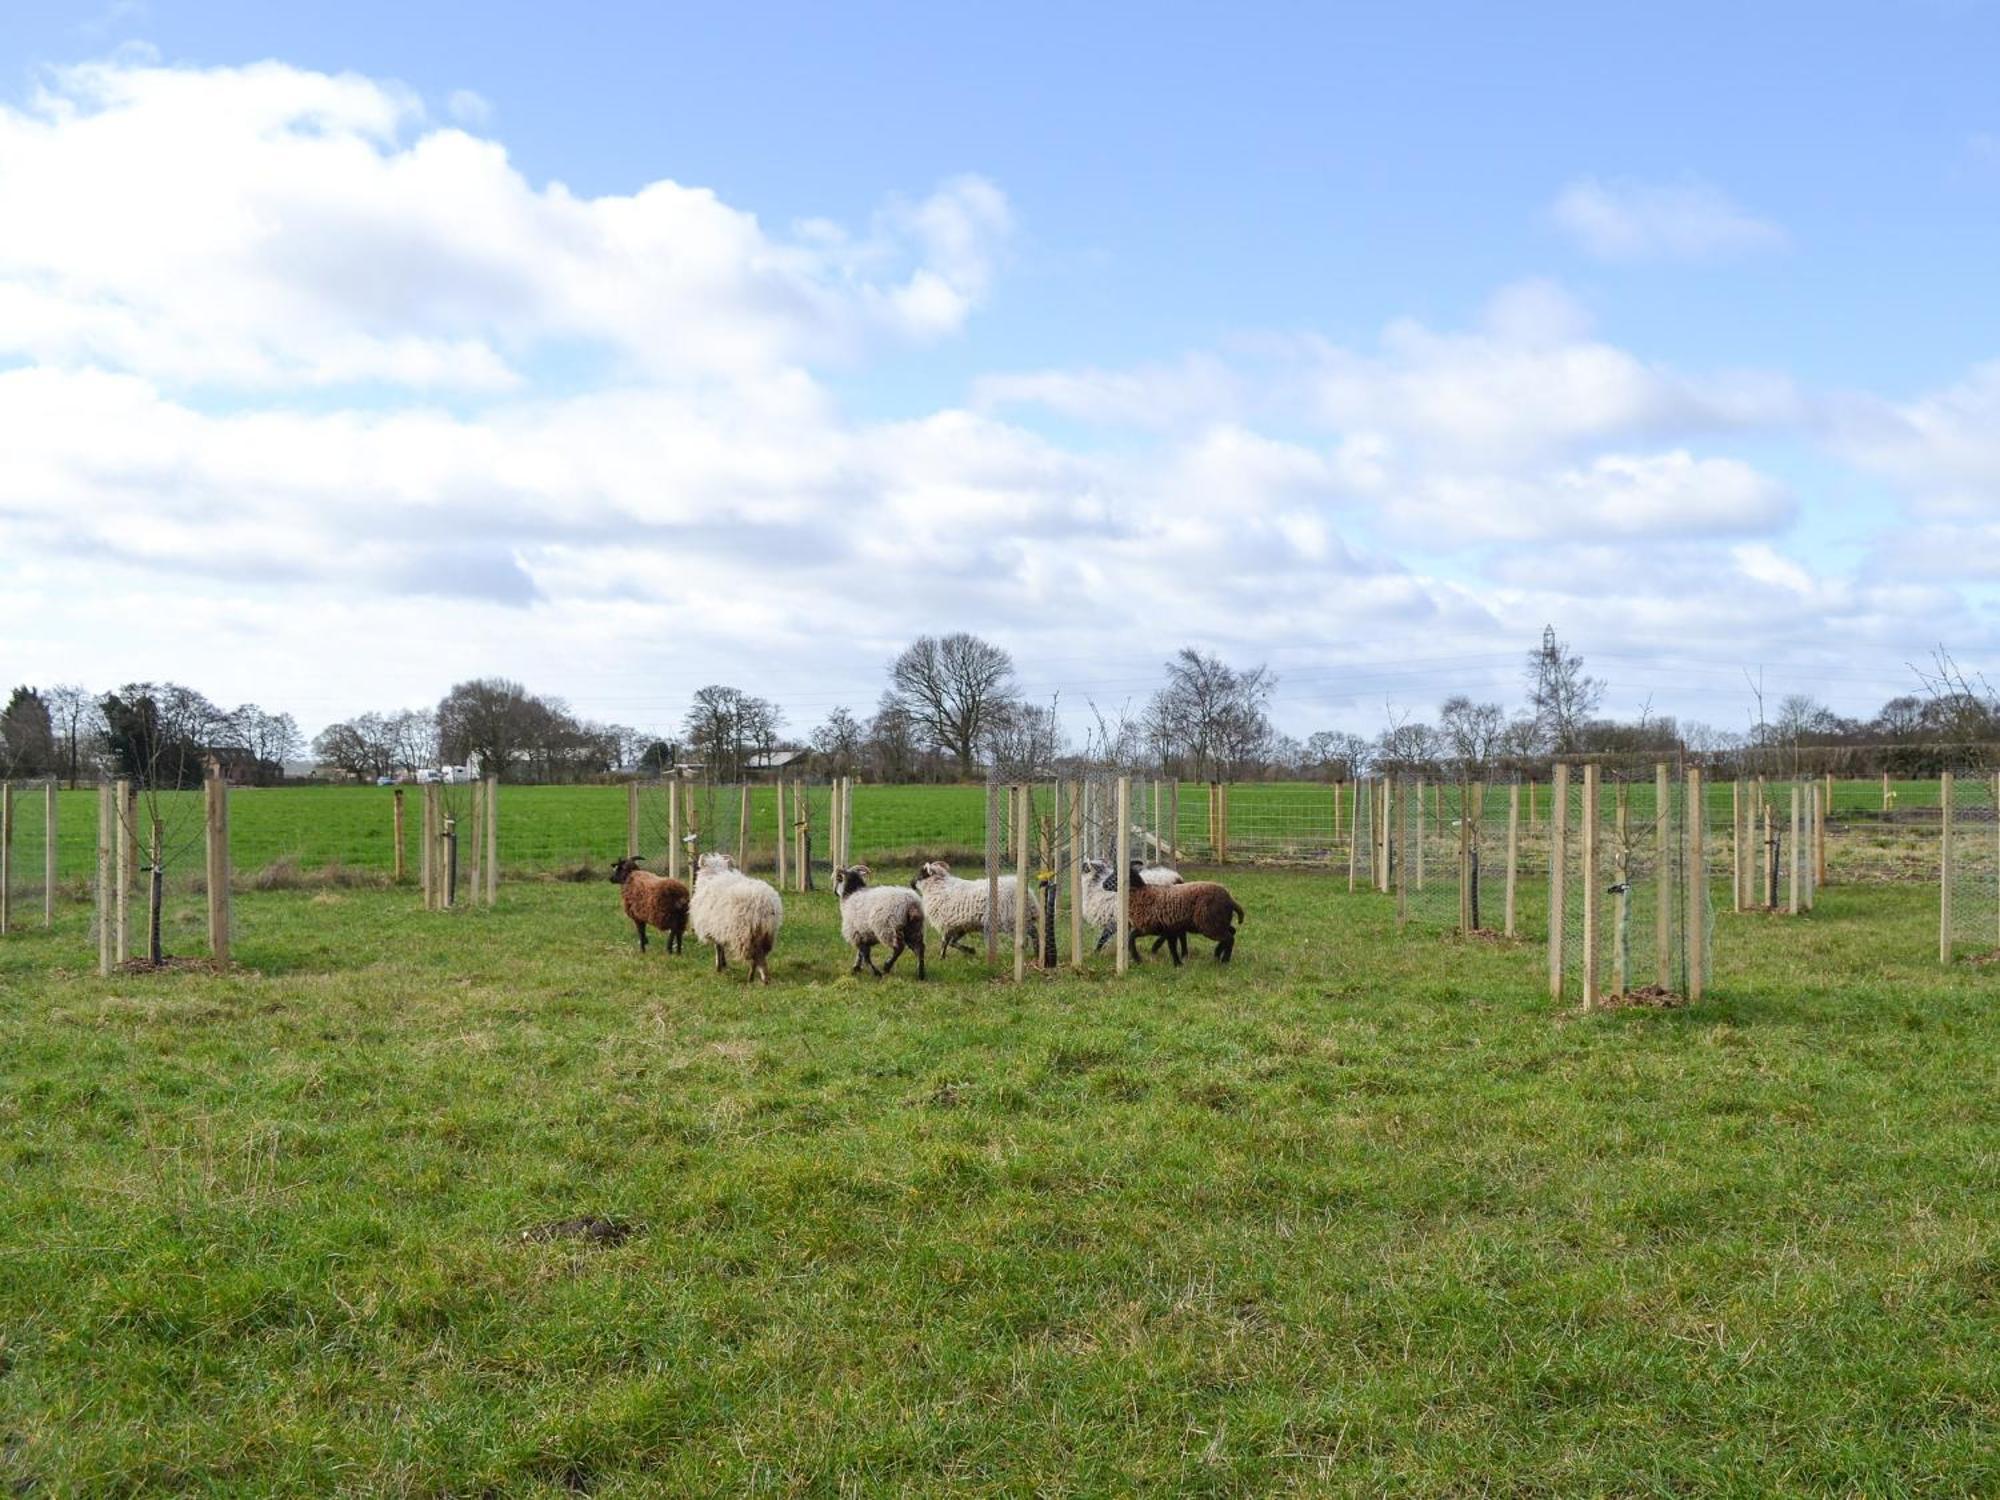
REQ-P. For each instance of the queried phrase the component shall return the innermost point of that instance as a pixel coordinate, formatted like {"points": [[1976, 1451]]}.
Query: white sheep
{"points": [[738, 914], [955, 906], [889, 914], [1100, 907]]}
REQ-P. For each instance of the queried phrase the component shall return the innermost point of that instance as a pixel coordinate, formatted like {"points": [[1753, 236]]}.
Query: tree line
{"points": [[952, 708]]}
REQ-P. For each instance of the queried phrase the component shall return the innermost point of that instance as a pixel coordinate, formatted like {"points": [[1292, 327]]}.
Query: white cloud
{"points": [[183, 250], [266, 225], [1689, 220]]}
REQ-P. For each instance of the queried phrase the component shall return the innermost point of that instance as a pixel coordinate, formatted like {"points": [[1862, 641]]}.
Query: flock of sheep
{"points": [[740, 915]]}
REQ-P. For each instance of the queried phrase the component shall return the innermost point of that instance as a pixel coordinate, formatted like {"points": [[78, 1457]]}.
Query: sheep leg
{"points": [[895, 952], [919, 946], [721, 959], [1225, 947], [1104, 937], [1132, 942], [673, 940], [642, 933]]}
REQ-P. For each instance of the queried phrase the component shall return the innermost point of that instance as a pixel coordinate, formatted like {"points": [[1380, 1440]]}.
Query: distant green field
{"points": [[551, 828]]}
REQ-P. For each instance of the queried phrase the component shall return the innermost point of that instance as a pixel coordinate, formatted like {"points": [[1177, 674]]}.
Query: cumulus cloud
{"points": [[268, 225], [233, 302], [1689, 220]]}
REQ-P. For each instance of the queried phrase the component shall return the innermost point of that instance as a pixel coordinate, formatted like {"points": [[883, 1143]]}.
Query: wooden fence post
{"points": [[1465, 861], [216, 805], [6, 855], [1792, 869], [128, 863], [426, 838], [631, 820], [674, 826], [492, 832], [449, 853], [1022, 801], [1885, 791], [1944, 868], [1417, 842], [1353, 835], [1174, 821], [1124, 858], [1399, 866], [53, 800], [1822, 809], [1590, 891], [1663, 885], [396, 819], [1513, 849], [1558, 878], [784, 834], [992, 871], [105, 917], [1695, 934], [1738, 845], [1076, 875]]}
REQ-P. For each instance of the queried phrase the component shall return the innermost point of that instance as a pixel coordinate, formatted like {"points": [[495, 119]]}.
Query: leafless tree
{"points": [[954, 689]]}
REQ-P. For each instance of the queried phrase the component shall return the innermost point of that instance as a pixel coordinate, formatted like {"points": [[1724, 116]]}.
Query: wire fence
{"points": [[1969, 868]]}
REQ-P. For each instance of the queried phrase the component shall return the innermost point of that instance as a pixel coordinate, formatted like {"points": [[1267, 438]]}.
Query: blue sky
{"points": [[1288, 233]]}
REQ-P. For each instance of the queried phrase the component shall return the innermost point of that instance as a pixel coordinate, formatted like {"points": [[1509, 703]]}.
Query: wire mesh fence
{"points": [[28, 847], [1969, 866], [1631, 870]]}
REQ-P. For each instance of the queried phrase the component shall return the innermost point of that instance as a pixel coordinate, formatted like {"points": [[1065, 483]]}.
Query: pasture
{"points": [[1357, 1213]]}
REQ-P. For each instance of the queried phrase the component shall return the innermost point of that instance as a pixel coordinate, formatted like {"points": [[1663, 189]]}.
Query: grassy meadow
{"points": [[1358, 1213]]}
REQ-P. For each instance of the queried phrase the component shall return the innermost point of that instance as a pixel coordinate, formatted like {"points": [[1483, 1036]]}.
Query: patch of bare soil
{"points": [[590, 1228], [170, 965], [1650, 997]]}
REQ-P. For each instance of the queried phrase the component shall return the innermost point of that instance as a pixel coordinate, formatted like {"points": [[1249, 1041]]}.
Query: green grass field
{"points": [[1357, 1213], [552, 828]]}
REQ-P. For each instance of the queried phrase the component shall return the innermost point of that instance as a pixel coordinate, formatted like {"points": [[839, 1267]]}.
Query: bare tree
{"points": [[838, 742], [1561, 696], [77, 718], [1472, 732], [1209, 714], [954, 688], [724, 725]]}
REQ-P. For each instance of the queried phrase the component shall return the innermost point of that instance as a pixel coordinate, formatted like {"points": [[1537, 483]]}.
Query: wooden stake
{"points": [[784, 836], [743, 826], [1590, 892], [127, 849], [1885, 791], [1124, 857], [1944, 868], [1792, 871], [1076, 875], [1353, 835], [1696, 934], [992, 873], [396, 818], [1558, 875], [1513, 850], [492, 832], [1464, 863], [217, 829], [1418, 827], [49, 854], [1022, 802], [105, 917], [1174, 822], [6, 855], [1663, 884], [1621, 922], [631, 820], [674, 827], [1738, 849]]}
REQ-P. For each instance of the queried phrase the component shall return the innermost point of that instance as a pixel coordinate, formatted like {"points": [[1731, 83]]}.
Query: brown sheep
{"points": [[656, 899], [1173, 911]]}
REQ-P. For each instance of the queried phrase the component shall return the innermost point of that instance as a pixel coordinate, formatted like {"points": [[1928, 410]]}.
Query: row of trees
{"points": [[158, 733], [952, 706]]}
